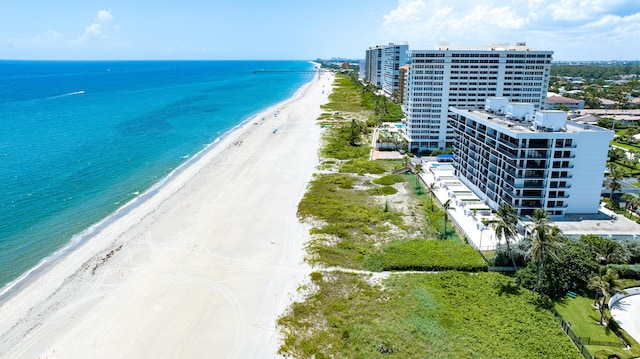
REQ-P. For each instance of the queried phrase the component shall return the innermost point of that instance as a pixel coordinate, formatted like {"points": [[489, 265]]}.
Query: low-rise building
{"points": [[554, 102]]}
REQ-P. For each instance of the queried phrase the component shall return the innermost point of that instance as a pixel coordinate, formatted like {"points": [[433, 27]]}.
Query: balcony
{"points": [[529, 204], [557, 206], [510, 171], [533, 174], [536, 154], [558, 197], [530, 184], [561, 177], [512, 154], [508, 143], [539, 164]]}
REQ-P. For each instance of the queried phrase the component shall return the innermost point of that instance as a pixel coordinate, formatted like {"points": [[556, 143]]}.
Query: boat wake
{"points": [[66, 95]]}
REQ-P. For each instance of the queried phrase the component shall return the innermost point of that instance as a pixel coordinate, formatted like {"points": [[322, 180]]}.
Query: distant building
{"points": [[555, 101], [590, 119], [404, 71], [510, 152], [393, 57], [621, 116], [382, 64], [373, 65], [464, 77], [607, 104]]}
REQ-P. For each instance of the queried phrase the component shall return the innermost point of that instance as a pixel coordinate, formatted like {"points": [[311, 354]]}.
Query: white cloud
{"points": [[577, 10], [96, 30], [406, 11], [565, 26], [48, 38], [481, 16], [104, 16], [92, 31], [417, 20]]}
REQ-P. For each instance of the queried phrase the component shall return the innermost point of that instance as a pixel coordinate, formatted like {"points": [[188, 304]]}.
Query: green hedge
{"points": [[628, 271], [426, 255]]}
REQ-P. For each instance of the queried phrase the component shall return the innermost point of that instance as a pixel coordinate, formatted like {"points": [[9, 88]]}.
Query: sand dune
{"points": [[199, 269]]}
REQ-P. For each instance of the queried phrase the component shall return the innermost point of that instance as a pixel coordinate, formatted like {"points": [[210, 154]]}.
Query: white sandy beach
{"points": [[200, 269]]}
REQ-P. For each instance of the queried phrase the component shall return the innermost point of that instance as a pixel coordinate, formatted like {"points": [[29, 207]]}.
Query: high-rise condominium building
{"points": [[373, 65], [463, 77], [382, 66], [394, 56], [509, 152]]}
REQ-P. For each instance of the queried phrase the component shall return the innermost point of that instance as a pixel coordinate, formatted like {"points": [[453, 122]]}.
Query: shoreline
{"points": [[13, 287], [67, 287]]}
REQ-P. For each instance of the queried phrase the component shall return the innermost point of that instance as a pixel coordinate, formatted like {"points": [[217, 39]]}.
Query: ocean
{"points": [[79, 140]]}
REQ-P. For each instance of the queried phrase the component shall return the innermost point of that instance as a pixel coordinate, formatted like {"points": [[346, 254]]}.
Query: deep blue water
{"points": [[78, 140]]}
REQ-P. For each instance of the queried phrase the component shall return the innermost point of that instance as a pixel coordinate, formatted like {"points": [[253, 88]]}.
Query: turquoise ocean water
{"points": [[78, 140]]}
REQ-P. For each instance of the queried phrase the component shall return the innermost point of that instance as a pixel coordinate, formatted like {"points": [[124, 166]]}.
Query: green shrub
{"points": [[441, 315], [382, 191], [389, 180], [362, 166], [338, 144], [426, 255], [344, 182], [627, 271]]}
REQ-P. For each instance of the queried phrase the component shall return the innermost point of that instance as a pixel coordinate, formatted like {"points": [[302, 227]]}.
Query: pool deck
{"points": [[626, 311], [448, 187]]}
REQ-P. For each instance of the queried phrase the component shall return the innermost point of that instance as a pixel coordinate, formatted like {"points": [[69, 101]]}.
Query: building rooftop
{"points": [[528, 125], [497, 46], [605, 223], [559, 100], [608, 112]]}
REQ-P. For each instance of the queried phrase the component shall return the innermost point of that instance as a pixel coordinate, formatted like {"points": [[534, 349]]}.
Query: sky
{"points": [[297, 30]]}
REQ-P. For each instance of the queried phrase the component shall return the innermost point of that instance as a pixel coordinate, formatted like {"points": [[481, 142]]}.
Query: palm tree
{"points": [[607, 251], [545, 243], [432, 188], [405, 162], [418, 170], [447, 205], [506, 227], [605, 283], [616, 175], [635, 157], [355, 133], [631, 201]]}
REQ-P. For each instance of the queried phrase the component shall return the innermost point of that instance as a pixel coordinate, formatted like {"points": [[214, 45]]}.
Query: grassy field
{"points": [[584, 319], [440, 315]]}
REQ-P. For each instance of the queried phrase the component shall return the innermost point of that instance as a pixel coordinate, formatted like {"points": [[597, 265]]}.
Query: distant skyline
{"points": [[285, 29]]}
